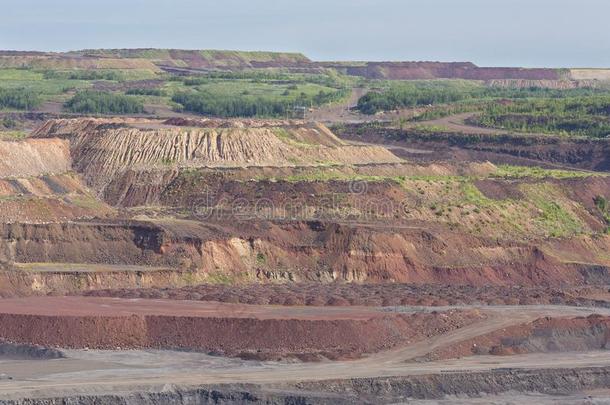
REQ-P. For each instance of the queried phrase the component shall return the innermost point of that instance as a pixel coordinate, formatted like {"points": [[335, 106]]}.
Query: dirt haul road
{"points": [[97, 372]]}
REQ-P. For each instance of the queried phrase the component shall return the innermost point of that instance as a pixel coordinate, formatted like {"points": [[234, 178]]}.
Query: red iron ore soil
{"points": [[262, 332]]}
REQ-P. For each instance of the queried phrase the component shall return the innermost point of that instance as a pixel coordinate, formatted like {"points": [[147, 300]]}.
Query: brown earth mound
{"points": [[234, 330], [102, 148], [63, 61], [441, 70], [37, 185]]}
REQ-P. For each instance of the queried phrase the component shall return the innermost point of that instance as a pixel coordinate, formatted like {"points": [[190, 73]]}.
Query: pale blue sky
{"points": [[488, 32]]}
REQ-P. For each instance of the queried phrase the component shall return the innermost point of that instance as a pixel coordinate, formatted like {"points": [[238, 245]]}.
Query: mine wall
{"points": [[439, 70], [358, 391], [181, 253], [589, 154]]}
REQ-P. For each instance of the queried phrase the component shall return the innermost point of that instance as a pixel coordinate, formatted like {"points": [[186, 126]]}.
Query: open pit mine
{"points": [[193, 260]]}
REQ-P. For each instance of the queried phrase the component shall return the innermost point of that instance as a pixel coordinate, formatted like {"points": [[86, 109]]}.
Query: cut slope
{"points": [[63, 61], [203, 59], [36, 184], [34, 157], [242, 330], [102, 148]]}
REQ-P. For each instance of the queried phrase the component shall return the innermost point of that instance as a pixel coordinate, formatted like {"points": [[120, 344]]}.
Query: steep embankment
{"points": [[37, 184], [34, 157], [590, 154], [440, 70], [202, 59], [228, 329], [289, 201], [264, 251], [103, 148], [548, 385], [35, 60]]}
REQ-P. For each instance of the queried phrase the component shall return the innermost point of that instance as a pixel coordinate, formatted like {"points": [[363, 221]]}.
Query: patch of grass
{"points": [[261, 259], [328, 175], [424, 128], [12, 135], [604, 208], [224, 278], [34, 81], [601, 203], [518, 172], [88, 202], [472, 195], [554, 215]]}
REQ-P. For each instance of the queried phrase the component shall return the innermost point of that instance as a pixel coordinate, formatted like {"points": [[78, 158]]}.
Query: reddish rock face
{"points": [[235, 330]]}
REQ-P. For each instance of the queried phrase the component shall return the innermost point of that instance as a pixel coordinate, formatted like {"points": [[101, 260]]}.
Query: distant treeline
{"points": [[329, 79], [83, 75], [19, 99], [97, 102], [422, 93], [206, 103], [145, 92], [581, 116]]}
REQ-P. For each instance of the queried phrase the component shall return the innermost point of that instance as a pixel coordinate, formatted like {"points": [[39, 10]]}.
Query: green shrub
{"points": [[580, 116], [145, 92], [432, 92], [83, 75], [601, 203], [246, 105], [9, 123], [19, 99], [95, 102]]}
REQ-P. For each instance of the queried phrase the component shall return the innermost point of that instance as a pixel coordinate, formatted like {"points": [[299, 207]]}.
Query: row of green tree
{"points": [[423, 93], [329, 78], [97, 102], [580, 116], [19, 99], [83, 75], [143, 91], [244, 105]]}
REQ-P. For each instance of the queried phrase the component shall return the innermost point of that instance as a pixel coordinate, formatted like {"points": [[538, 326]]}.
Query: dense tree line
{"points": [[329, 79], [96, 102], [422, 93], [145, 92], [19, 99], [244, 105], [583, 116], [83, 75], [208, 104]]}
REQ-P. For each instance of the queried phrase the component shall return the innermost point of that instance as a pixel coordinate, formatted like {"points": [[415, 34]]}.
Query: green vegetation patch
{"points": [[555, 216], [535, 172], [222, 99], [34, 82], [406, 94], [95, 102], [19, 99], [574, 116], [145, 92]]}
